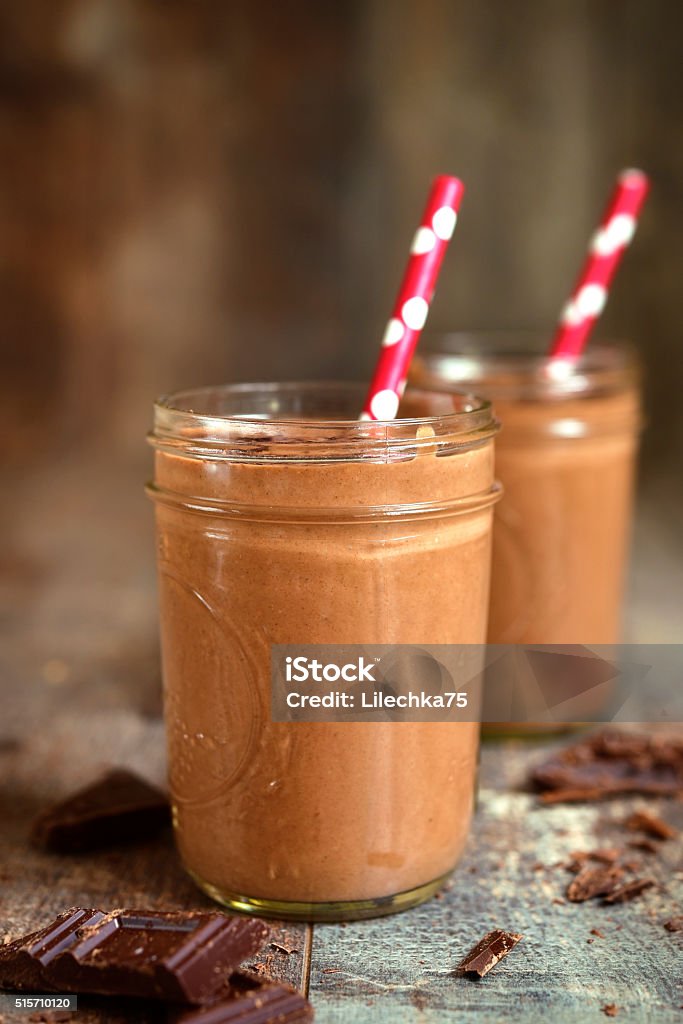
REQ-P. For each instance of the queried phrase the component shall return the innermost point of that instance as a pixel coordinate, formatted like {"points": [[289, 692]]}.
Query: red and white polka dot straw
{"points": [[414, 296], [606, 248]]}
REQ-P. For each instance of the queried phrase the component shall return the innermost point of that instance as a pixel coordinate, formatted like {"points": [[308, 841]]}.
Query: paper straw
{"points": [[414, 297], [605, 250]]}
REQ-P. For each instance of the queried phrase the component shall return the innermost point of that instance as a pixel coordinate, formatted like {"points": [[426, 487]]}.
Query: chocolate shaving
{"points": [[279, 948], [629, 891], [573, 796], [645, 821], [592, 882], [488, 952], [612, 762], [646, 845], [579, 858]]}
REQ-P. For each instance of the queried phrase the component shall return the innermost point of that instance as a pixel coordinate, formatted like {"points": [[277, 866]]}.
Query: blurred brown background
{"points": [[194, 191]]}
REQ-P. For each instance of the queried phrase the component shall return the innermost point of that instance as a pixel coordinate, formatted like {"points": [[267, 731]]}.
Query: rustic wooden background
{"points": [[199, 190]]}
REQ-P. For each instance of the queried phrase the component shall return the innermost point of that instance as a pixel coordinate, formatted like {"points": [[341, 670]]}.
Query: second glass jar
{"points": [[566, 459]]}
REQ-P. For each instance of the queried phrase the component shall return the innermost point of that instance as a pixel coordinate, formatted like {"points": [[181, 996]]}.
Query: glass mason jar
{"points": [[566, 459], [281, 519]]}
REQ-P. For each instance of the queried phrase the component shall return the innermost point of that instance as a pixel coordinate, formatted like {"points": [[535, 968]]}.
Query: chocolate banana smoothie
{"points": [[566, 460], [279, 520], [561, 541]]}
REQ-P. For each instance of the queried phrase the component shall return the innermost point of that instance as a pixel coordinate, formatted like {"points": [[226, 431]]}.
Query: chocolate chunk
{"points": [[629, 891], [612, 762], [606, 855], [579, 858], [592, 882], [181, 956], [119, 807], [488, 952], [646, 845], [251, 1000], [674, 924], [645, 821]]}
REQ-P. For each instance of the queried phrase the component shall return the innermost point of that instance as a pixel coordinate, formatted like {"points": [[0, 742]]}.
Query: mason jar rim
{"points": [[233, 420], [508, 363]]}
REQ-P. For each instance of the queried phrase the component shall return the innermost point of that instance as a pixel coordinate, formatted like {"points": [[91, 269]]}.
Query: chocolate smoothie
{"points": [[307, 529], [566, 458]]}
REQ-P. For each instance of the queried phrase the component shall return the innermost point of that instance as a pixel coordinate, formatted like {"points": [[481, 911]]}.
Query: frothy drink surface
{"points": [[315, 812]]}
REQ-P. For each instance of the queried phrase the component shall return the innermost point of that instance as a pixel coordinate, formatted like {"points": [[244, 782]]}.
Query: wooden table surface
{"points": [[396, 969], [79, 691]]}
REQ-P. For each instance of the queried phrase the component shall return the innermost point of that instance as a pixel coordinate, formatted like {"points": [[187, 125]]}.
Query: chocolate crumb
{"points": [[279, 948], [604, 856], [674, 924], [610, 1009], [646, 845], [258, 968], [592, 882], [575, 795], [651, 824], [596, 931], [488, 952], [629, 891]]}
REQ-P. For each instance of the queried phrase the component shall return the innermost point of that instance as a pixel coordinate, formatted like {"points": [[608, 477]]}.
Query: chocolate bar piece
{"points": [[251, 1000], [488, 952], [613, 762], [183, 956], [119, 807]]}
